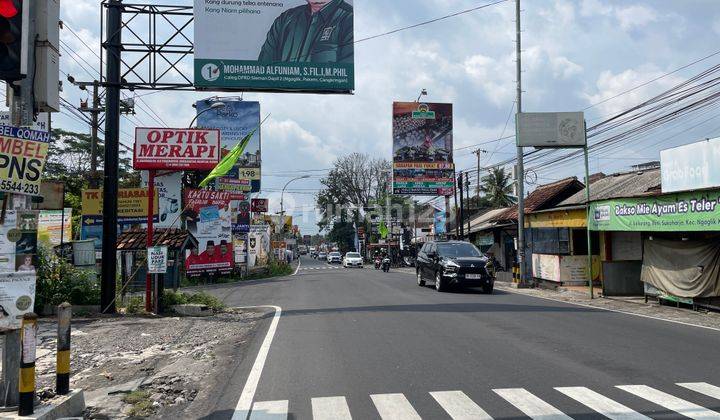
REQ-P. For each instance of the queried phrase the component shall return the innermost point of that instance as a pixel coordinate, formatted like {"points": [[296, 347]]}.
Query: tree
{"points": [[497, 187]]}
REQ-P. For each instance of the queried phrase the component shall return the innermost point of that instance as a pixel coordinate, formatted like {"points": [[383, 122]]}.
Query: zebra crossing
{"points": [[459, 406]]}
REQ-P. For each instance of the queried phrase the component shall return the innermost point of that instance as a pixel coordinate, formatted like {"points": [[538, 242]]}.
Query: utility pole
{"points": [[461, 222], [467, 188], [457, 218], [94, 112], [478, 152], [520, 167]]}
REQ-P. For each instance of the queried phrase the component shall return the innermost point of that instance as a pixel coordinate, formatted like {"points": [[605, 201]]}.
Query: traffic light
{"points": [[11, 40]]}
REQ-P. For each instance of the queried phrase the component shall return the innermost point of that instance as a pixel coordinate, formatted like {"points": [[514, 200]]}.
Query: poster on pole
{"points": [[23, 153], [208, 218], [259, 205], [176, 149], [17, 297], [157, 259], [169, 192], [53, 228], [234, 121], [423, 149], [295, 45], [19, 240]]}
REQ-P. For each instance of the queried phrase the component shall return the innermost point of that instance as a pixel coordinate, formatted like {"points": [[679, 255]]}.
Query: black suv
{"points": [[453, 263]]}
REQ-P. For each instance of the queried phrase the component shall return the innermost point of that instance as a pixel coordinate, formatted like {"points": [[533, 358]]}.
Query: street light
{"points": [[214, 105], [282, 195]]}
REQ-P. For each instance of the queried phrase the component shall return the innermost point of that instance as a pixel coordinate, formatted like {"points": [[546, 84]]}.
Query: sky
{"points": [[575, 54]]}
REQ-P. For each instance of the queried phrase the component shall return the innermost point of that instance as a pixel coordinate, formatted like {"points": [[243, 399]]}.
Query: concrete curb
{"points": [[71, 405]]}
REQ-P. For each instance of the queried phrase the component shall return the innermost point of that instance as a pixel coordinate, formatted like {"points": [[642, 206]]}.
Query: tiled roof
{"points": [[545, 196], [620, 185], [136, 238]]}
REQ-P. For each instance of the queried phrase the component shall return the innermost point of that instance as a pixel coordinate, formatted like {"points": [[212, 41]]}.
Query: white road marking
{"points": [[242, 410], [532, 406], [663, 399], [703, 388], [297, 268], [602, 404], [270, 410], [330, 408], [394, 407], [459, 406]]}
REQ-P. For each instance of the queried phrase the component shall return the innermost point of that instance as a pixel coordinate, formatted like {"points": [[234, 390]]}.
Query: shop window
{"points": [[550, 241], [579, 239]]}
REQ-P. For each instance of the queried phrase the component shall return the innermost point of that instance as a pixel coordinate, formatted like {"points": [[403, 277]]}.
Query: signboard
{"points": [[52, 193], [42, 123], [259, 205], [157, 259], [18, 241], [258, 245], [17, 297], [551, 129], [240, 209], [208, 218], [169, 192], [439, 222], [176, 148], [22, 158], [691, 167], [236, 120], [695, 211], [564, 268], [132, 204], [295, 45], [52, 228], [422, 149]]}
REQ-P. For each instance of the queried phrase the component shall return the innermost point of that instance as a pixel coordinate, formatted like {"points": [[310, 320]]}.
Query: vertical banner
{"points": [[296, 45], [208, 219], [423, 149], [235, 121], [169, 191], [439, 221], [52, 227]]}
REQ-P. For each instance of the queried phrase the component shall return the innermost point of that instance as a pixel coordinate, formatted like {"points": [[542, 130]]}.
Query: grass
{"points": [[140, 401], [171, 298], [274, 269]]}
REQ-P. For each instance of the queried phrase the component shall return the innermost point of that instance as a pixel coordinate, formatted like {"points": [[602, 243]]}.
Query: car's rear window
{"points": [[352, 255], [458, 250], [334, 254]]}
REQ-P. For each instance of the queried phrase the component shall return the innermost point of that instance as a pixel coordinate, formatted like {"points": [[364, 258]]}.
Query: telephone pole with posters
{"points": [[520, 179]]}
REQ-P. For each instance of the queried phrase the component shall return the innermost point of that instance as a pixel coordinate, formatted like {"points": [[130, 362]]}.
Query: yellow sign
{"points": [[576, 218], [132, 203], [252, 174], [22, 158]]}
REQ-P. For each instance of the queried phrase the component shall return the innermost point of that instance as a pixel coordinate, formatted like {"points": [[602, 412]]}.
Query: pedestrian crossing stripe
{"points": [[459, 406]]}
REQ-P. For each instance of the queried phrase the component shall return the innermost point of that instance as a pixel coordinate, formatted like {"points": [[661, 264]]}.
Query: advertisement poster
{"points": [[439, 222], [22, 158], [241, 216], [696, 211], [208, 219], [297, 45], [235, 121], [258, 245], [176, 148], [17, 297], [18, 241], [52, 228], [169, 191], [157, 259], [132, 205], [422, 149]]}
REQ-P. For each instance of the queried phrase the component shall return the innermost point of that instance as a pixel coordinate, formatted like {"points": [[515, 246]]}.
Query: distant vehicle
{"points": [[322, 255], [303, 249], [334, 258], [386, 264], [453, 263], [352, 259]]}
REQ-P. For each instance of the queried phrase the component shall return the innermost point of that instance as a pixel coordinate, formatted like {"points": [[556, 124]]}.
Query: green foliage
{"points": [[344, 234], [135, 305], [58, 282], [141, 404], [497, 187], [171, 298], [274, 268]]}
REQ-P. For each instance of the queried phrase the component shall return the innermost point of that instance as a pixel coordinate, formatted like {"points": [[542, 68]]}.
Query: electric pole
{"points": [[94, 112], [478, 152], [520, 167]]}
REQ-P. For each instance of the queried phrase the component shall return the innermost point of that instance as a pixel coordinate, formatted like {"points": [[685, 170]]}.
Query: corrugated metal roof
{"points": [[620, 185], [486, 217], [136, 239], [545, 196]]}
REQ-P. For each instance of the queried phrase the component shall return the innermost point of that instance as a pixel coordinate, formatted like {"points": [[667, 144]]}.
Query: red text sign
{"points": [[176, 148]]}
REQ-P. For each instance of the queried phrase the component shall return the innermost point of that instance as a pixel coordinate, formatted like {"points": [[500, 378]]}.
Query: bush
{"points": [[59, 281], [171, 298], [135, 305]]}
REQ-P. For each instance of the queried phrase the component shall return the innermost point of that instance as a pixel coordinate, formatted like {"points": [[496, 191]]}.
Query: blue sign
{"points": [[440, 221]]}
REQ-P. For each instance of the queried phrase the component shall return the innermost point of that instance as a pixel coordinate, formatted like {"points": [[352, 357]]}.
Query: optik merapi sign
{"points": [[686, 212], [176, 149]]}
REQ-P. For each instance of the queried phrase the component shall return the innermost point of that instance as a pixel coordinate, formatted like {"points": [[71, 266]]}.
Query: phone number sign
{"points": [[23, 153]]}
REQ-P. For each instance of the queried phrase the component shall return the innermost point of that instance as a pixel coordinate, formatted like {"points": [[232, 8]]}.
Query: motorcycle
{"points": [[378, 261], [386, 265]]}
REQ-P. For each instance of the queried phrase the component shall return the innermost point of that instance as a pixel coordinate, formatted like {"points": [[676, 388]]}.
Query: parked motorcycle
{"points": [[386, 264]]}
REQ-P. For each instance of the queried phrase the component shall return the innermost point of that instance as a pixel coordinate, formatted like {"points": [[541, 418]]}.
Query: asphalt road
{"points": [[391, 349]]}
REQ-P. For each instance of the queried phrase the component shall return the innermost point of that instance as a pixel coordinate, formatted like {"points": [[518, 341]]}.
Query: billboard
{"points": [[295, 45], [422, 149], [208, 218], [23, 153], [691, 167], [168, 187], [551, 129], [235, 121], [53, 228], [132, 205], [176, 149]]}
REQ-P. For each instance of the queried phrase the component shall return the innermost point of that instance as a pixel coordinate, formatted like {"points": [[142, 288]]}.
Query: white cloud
{"points": [[635, 16], [563, 68], [595, 7], [716, 25]]}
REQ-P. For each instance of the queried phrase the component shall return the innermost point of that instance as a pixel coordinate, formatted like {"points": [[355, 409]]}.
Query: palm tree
{"points": [[497, 187]]}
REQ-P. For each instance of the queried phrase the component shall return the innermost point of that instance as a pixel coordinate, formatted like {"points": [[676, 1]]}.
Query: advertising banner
{"points": [[236, 120], [208, 219], [295, 45], [42, 123], [259, 205], [169, 192], [551, 129], [422, 149], [22, 158], [697, 211], [157, 259], [176, 148], [691, 167], [18, 241], [439, 222], [17, 297], [52, 227], [240, 209], [132, 205]]}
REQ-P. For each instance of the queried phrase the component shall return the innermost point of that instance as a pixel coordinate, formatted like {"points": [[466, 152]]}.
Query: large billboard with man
{"points": [[422, 149], [295, 45]]}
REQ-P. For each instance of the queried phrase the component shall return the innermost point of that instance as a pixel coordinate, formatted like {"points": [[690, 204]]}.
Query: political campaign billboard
{"points": [[23, 153], [423, 148], [234, 121], [176, 148], [295, 45], [207, 216]]}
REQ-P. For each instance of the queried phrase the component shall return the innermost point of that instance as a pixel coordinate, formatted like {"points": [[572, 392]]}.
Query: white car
{"points": [[334, 258], [352, 259]]}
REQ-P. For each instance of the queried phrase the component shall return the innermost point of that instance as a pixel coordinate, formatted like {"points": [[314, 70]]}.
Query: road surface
{"points": [[359, 343]]}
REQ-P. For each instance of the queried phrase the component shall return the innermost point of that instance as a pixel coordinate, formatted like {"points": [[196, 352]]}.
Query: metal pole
{"points": [[457, 209], [467, 189], [112, 141], [461, 222], [477, 152], [520, 165], [587, 222], [28, 337], [94, 136], [149, 303], [447, 217]]}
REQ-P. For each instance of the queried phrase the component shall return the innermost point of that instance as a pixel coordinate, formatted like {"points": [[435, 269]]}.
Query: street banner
{"points": [[157, 259], [18, 241], [423, 149], [258, 245], [132, 205], [41, 124], [52, 228], [176, 148], [697, 211], [259, 205], [236, 120], [23, 153], [168, 187], [208, 219], [295, 45], [17, 297], [53, 194], [439, 222], [240, 209]]}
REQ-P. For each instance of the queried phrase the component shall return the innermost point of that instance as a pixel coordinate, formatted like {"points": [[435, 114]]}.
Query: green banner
{"points": [[686, 212]]}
